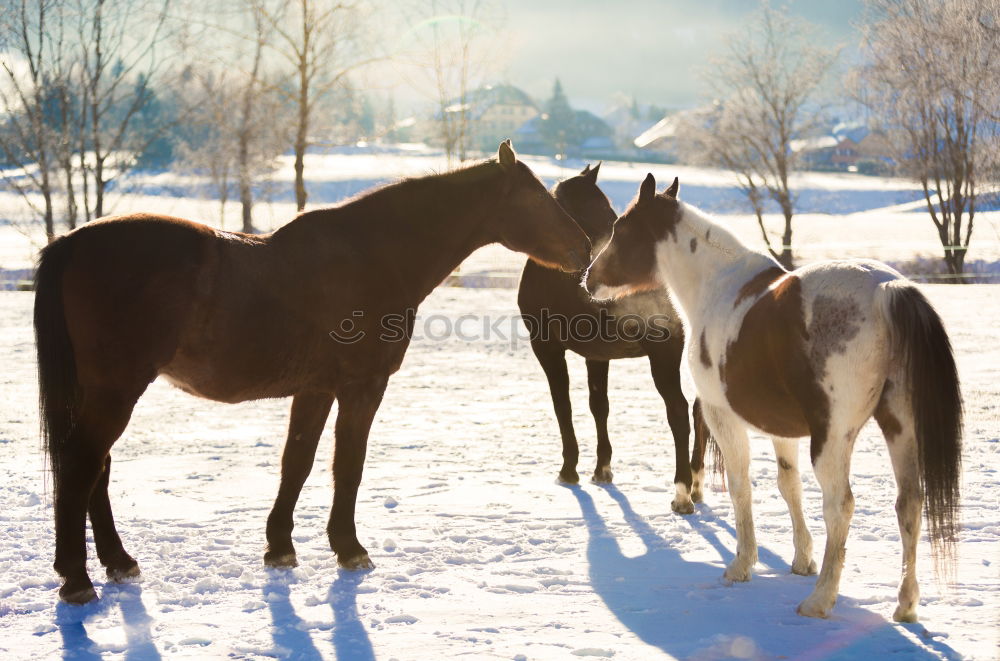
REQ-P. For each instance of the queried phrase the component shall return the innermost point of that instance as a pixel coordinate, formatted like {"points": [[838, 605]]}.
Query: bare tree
{"points": [[237, 120], [455, 45], [27, 140], [323, 42], [932, 80], [766, 87], [122, 53]]}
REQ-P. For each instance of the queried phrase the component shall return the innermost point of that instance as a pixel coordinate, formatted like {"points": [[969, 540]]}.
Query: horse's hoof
{"points": [[569, 477], [905, 614], [813, 607], [804, 568], [78, 592], [286, 560], [736, 575], [357, 563], [682, 507], [124, 574], [603, 475], [696, 495]]}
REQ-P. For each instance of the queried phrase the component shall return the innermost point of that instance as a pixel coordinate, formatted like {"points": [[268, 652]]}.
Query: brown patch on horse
{"points": [[784, 464], [766, 371], [887, 421], [694, 244], [835, 322], [706, 360], [759, 284]]}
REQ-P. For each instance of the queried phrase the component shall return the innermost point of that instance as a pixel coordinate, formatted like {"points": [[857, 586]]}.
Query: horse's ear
{"points": [[506, 155], [674, 187], [585, 170], [647, 190], [591, 173]]}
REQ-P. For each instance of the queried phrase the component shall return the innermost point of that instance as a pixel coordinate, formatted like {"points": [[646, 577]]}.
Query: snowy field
{"points": [[479, 552]]}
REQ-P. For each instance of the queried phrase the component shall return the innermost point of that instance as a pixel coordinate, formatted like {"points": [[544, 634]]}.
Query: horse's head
{"points": [[531, 221], [627, 264], [587, 203]]}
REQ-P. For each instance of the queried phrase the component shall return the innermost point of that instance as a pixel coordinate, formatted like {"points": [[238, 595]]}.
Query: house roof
{"points": [[667, 127], [477, 101], [812, 144]]}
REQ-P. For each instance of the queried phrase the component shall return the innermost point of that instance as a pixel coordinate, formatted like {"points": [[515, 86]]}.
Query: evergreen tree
{"points": [[558, 126]]}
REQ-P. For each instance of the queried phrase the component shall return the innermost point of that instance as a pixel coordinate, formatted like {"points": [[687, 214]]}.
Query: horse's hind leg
{"points": [[359, 401], [119, 564], [309, 414], [597, 383], [101, 420], [832, 467], [666, 368], [894, 416], [790, 486], [552, 358], [731, 435]]}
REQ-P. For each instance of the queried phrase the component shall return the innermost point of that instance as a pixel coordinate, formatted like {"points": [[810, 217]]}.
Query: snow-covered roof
{"points": [[813, 143], [665, 128]]}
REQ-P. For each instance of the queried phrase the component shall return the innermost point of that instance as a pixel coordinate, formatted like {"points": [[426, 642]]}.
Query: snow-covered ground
{"points": [[479, 552]]}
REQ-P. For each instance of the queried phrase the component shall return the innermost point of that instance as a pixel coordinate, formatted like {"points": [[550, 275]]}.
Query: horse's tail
{"points": [[703, 437], [927, 366], [59, 393]]}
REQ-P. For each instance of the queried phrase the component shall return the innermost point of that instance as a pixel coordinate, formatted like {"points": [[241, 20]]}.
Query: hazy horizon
{"points": [[663, 43], [646, 49]]}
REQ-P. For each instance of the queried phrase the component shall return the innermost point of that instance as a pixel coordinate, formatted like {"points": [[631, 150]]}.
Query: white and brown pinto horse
{"points": [[812, 352]]}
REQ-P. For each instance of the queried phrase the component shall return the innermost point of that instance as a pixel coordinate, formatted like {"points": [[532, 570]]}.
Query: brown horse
{"points": [[560, 315], [297, 313]]}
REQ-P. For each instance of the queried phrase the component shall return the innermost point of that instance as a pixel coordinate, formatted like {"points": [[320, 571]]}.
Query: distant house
{"points": [[494, 113], [660, 136], [628, 119], [817, 152], [867, 151], [592, 137], [596, 137], [528, 137], [660, 139], [845, 154]]}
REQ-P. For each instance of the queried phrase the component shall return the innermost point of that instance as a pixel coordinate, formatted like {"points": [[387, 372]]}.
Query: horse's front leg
{"points": [[359, 400], [552, 357], [731, 435], [309, 414]]}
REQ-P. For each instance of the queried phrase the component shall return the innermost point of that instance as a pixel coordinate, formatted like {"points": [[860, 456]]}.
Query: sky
{"points": [[649, 49]]}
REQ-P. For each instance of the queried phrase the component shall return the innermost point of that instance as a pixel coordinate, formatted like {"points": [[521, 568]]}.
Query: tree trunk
{"points": [[70, 193], [787, 211], [301, 139], [786, 258], [246, 190]]}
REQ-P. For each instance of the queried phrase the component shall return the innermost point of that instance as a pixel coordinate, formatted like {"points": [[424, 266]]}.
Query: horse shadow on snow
{"points": [[290, 633], [683, 608], [136, 623]]}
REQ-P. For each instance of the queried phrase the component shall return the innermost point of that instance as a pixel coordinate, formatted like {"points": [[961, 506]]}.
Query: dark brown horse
{"points": [[560, 315], [298, 313]]}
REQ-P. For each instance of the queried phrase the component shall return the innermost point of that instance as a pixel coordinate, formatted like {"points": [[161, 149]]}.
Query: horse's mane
{"points": [[383, 193]]}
